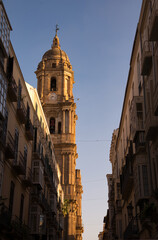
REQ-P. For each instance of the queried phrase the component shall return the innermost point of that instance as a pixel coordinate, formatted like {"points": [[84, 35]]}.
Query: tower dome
{"points": [[55, 52]]}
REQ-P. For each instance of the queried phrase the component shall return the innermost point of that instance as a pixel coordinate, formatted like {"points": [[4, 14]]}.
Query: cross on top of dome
{"points": [[56, 43], [57, 29]]}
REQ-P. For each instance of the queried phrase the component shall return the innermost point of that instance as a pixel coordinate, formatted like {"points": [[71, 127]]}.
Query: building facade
{"points": [[134, 146], [31, 195], [47, 197], [55, 84]]}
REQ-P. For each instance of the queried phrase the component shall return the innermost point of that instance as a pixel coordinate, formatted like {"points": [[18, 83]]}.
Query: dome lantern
{"points": [[56, 43]]}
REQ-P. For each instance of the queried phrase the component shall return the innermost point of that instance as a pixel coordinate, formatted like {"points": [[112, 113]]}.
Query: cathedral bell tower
{"points": [[55, 83]]}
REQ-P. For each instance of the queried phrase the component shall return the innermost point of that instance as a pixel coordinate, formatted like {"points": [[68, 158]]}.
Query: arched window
{"points": [[53, 84], [53, 65], [52, 125]]}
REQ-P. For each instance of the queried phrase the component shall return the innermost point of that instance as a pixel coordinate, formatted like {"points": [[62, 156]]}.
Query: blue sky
{"points": [[98, 36]]}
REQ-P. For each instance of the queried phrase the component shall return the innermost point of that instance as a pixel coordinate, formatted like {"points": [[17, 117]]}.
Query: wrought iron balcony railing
{"points": [[19, 164]]}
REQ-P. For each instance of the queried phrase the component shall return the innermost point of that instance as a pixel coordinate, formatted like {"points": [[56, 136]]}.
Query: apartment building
{"points": [[133, 195], [31, 195], [46, 194]]}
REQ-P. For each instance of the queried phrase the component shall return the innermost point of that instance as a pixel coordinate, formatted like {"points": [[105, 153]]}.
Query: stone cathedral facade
{"points": [[55, 84]]}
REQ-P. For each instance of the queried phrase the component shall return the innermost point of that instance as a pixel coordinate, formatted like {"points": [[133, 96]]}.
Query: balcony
{"points": [[29, 130], [140, 142], [153, 26], [140, 197], [118, 207], [136, 116], [19, 164], [36, 152], [21, 111], [50, 217], [146, 62], [5, 219], [11, 225], [155, 100], [27, 179], [132, 230], [44, 203], [151, 126], [48, 173], [38, 174], [127, 177], [10, 146], [19, 229], [38, 224], [36, 195], [2, 134], [12, 90]]}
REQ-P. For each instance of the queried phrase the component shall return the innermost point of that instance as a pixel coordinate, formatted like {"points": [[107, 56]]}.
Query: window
{"points": [[52, 125], [19, 89], [41, 150], [138, 70], [10, 67], [4, 31], [59, 127], [28, 112], [11, 197], [66, 121], [55, 42], [139, 179], [25, 155], [53, 84], [16, 145], [3, 93], [53, 65], [35, 140], [19, 94], [21, 207], [139, 108], [35, 174], [145, 180], [1, 171]]}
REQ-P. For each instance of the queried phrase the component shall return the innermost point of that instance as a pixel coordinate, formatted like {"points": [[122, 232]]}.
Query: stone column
{"points": [[72, 122], [63, 85], [70, 169], [42, 87], [63, 169], [69, 121], [63, 121]]}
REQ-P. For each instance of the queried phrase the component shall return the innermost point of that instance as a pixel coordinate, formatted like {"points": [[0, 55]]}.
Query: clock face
{"points": [[53, 97]]}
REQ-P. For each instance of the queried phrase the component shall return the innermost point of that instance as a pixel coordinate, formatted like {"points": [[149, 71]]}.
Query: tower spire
{"points": [[57, 29], [56, 43]]}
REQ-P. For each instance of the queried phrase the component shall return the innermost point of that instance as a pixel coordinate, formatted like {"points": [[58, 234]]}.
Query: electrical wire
{"points": [[96, 180], [96, 140], [94, 199]]}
